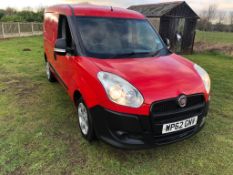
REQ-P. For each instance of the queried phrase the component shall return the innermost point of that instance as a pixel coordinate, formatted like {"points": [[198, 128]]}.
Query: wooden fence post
{"points": [[194, 35], [19, 29], [3, 33], [32, 28]]}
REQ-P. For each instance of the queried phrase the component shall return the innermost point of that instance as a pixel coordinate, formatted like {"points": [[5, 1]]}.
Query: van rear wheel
{"points": [[49, 74]]}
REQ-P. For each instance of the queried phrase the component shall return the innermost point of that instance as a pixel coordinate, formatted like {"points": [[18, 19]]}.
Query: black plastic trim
{"points": [[129, 131], [58, 76]]}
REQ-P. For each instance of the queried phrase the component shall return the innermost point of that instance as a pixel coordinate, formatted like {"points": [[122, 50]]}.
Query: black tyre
{"points": [[85, 121], [50, 75]]}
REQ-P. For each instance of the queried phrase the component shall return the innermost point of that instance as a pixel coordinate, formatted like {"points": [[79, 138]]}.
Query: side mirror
{"points": [[60, 46], [167, 42]]}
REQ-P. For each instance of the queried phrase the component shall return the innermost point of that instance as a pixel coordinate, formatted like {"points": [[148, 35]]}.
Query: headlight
{"points": [[120, 91], [204, 76]]}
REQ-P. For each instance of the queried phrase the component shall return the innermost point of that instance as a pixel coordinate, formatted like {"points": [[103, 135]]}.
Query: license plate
{"points": [[179, 125]]}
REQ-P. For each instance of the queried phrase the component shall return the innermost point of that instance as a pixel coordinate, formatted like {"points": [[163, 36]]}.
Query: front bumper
{"points": [[133, 131]]}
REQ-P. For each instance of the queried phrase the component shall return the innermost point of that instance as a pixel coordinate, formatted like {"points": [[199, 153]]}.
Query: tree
{"points": [[40, 13], [2, 13], [231, 21], [231, 17], [221, 16], [207, 16], [10, 11], [211, 12]]}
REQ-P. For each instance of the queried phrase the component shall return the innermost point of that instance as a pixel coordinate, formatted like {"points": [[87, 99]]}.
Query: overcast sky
{"points": [[197, 5]]}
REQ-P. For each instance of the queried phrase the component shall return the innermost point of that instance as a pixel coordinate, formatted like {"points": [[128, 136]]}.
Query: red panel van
{"points": [[129, 89]]}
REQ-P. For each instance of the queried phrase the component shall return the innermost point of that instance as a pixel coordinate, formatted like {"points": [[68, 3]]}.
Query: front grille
{"points": [[171, 105], [168, 111]]}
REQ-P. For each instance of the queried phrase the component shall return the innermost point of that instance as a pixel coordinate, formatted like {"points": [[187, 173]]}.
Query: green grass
{"points": [[214, 37], [39, 134]]}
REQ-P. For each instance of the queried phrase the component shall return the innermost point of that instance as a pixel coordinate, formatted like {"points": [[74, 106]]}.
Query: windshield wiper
{"points": [[131, 54], [153, 54]]}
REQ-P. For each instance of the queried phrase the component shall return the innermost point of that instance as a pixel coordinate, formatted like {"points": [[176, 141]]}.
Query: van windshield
{"points": [[118, 38]]}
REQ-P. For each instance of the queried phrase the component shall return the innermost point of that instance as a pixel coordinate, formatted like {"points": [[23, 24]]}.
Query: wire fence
{"points": [[19, 29]]}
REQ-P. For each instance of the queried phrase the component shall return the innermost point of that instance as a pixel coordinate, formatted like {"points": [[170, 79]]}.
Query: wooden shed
{"points": [[174, 20]]}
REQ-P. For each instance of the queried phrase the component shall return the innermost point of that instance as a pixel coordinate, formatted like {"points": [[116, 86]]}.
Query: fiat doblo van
{"points": [[129, 89]]}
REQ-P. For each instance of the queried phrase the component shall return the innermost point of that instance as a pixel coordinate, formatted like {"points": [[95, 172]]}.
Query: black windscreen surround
{"points": [[118, 38], [64, 31]]}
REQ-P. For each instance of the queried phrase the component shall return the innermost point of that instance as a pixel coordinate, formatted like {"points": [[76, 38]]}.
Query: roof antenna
{"points": [[111, 9]]}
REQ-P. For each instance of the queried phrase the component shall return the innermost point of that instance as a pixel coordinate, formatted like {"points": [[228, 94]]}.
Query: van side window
{"points": [[64, 31]]}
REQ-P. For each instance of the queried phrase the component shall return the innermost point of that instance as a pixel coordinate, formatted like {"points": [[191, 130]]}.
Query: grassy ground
{"points": [[39, 135], [214, 37]]}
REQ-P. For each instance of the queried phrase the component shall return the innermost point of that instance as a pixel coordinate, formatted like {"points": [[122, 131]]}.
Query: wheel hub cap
{"points": [[83, 118]]}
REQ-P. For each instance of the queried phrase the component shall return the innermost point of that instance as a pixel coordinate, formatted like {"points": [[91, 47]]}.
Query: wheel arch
{"points": [[76, 96]]}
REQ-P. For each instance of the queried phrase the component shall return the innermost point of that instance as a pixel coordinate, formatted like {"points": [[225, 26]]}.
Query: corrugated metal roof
{"points": [[156, 10]]}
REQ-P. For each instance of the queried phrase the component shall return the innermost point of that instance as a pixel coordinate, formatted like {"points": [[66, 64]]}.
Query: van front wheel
{"points": [[85, 120]]}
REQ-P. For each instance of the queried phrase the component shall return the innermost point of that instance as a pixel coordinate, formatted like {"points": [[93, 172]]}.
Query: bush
{"points": [[11, 18], [11, 15]]}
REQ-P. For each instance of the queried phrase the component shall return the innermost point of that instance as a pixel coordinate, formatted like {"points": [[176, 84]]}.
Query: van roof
{"points": [[93, 10]]}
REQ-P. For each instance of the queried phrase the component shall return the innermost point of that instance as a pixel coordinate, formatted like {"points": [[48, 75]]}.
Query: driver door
{"points": [[65, 61]]}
